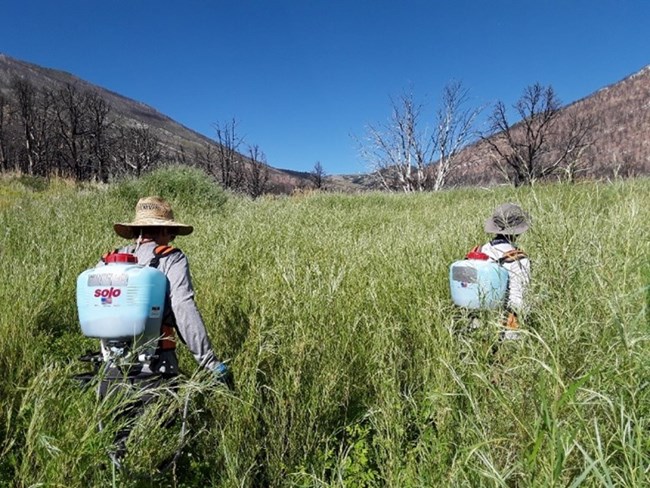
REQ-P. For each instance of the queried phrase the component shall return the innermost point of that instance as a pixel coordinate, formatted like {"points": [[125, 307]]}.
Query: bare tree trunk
{"points": [[318, 175], [453, 131], [100, 124], [404, 157], [5, 120], [257, 173], [26, 95], [229, 160], [397, 152], [540, 144]]}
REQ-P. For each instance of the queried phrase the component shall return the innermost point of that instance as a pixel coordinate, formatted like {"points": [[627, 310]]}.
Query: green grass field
{"points": [[334, 313]]}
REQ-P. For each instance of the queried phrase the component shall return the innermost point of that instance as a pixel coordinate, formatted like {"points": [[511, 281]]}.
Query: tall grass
{"points": [[335, 315]]}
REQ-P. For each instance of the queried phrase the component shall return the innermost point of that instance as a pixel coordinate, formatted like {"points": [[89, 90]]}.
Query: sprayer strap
{"points": [[167, 340], [512, 256], [161, 252]]}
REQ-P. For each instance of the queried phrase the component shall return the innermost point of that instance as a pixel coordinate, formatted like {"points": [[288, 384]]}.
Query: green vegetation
{"points": [[335, 315]]}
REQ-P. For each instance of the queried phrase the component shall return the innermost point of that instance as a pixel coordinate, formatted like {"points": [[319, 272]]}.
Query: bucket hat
{"points": [[508, 219], [152, 212]]}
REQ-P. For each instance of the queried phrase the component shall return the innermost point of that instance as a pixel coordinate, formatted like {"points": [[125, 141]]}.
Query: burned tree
{"points": [[317, 175], [229, 161], [6, 136], [27, 111], [396, 151], [411, 158], [72, 125], [540, 143], [452, 132], [257, 173], [99, 131], [138, 150]]}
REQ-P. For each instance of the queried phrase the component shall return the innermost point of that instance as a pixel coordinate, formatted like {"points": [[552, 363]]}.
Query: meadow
{"points": [[350, 362]]}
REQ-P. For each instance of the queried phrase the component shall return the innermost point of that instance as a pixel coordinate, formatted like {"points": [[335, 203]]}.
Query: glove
{"points": [[512, 328], [222, 374], [511, 321]]}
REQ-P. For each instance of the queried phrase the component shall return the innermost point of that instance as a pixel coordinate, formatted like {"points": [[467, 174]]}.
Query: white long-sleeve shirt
{"points": [[519, 272]]}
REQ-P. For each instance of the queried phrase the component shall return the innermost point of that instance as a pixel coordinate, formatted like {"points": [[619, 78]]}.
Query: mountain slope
{"points": [[620, 147], [127, 112]]}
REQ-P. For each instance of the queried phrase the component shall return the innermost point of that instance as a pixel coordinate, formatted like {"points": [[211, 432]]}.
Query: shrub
{"points": [[181, 185]]}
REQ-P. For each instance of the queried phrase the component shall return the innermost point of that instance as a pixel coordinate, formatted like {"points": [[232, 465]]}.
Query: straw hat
{"points": [[508, 219], [152, 212]]}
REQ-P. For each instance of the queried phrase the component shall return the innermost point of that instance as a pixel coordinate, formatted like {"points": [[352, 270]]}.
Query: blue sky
{"points": [[303, 78]]}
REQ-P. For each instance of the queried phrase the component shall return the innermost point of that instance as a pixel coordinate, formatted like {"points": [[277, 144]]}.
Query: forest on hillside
{"points": [[71, 132]]}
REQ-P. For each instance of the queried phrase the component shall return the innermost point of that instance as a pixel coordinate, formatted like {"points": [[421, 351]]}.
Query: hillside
{"points": [[621, 113], [620, 146], [126, 112]]}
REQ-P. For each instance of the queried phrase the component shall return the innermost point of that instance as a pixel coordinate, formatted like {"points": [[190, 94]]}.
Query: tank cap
{"points": [[481, 256], [121, 257]]}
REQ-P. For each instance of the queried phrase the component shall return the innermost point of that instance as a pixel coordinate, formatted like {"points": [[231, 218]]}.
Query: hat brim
{"points": [[128, 230], [492, 228]]}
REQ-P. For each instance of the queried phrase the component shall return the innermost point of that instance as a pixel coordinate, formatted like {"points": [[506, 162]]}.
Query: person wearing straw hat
{"points": [[506, 224], [153, 228]]}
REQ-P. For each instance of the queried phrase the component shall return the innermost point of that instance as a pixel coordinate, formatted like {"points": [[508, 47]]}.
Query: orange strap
{"points": [[512, 256], [168, 340], [161, 252]]}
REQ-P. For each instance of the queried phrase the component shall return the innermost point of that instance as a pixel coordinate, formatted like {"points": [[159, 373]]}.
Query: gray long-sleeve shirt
{"points": [[180, 309]]}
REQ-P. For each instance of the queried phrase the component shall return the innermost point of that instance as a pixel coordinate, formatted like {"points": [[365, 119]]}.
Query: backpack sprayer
{"points": [[122, 304], [477, 283]]}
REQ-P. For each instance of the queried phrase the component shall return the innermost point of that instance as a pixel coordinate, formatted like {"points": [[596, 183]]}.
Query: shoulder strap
{"points": [[161, 252], [512, 256]]}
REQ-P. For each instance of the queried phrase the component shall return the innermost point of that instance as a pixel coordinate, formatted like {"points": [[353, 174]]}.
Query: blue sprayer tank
{"points": [[121, 300], [478, 283]]}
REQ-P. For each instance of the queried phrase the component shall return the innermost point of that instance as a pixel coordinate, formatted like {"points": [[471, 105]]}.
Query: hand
{"points": [[222, 374], [512, 328], [511, 321]]}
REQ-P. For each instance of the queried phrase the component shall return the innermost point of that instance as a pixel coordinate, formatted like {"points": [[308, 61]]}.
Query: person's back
{"points": [[180, 313], [516, 262]]}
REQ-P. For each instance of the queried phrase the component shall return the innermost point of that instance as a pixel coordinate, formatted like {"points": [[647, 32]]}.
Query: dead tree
{"points": [[317, 175], [71, 115], [396, 151], [138, 150], [229, 161], [257, 173], [580, 132], [537, 146], [452, 132], [5, 132], [408, 157], [26, 95], [99, 131]]}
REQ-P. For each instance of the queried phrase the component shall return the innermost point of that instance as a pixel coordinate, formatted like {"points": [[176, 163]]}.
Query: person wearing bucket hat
{"points": [[506, 224], [153, 228]]}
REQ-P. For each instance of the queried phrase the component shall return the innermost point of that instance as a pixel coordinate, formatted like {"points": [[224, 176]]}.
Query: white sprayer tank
{"points": [[477, 283], [122, 300]]}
